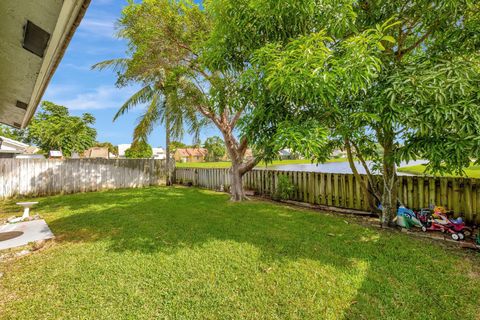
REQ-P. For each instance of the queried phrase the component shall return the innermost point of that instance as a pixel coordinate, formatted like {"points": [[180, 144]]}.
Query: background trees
{"points": [[139, 149], [15, 134], [402, 75], [215, 147], [177, 144], [53, 128]]}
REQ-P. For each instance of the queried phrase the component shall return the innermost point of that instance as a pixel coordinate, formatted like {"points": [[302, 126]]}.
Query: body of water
{"points": [[336, 167]]}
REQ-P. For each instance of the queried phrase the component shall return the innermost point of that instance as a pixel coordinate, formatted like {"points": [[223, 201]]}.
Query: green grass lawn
{"points": [[226, 164], [185, 253], [471, 172]]}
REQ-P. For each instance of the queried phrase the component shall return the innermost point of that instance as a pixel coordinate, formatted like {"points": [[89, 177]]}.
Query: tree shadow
{"points": [[397, 270]]}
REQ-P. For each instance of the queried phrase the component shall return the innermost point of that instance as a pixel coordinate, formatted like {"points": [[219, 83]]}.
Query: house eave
{"points": [[25, 75]]}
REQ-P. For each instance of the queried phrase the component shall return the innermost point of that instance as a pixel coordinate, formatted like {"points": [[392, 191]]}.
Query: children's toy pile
{"points": [[435, 219]]}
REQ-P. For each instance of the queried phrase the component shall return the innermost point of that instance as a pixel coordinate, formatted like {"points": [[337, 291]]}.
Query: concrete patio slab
{"points": [[20, 234]]}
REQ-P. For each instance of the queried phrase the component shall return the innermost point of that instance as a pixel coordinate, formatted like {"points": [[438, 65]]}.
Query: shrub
{"points": [[285, 188]]}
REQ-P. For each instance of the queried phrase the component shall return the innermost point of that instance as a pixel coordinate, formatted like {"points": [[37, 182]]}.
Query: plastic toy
{"points": [[406, 218], [438, 221], [457, 224], [424, 216]]}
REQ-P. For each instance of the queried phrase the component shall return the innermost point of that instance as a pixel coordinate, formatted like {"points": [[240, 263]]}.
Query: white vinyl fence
{"points": [[39, 177]]}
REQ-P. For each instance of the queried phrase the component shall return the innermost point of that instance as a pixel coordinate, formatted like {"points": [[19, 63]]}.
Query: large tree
{"points": [[401, 75], [53, 128], [168, 47]]}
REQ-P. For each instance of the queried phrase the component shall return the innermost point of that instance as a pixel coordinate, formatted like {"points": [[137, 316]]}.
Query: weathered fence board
{"points": [[39, 177], [343, 190]]}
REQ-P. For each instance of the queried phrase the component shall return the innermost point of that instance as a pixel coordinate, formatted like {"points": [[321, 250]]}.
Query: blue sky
{"points": [[81, 89]]}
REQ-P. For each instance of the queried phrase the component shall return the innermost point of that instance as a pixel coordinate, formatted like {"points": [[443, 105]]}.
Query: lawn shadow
{"points": [[170, 219]]}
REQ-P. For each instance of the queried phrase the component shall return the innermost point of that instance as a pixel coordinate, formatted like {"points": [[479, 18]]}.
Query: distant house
{"points": [[285, 154], [122, 148], [190, 154], [339, 153], [75, 155], [248, 155], [97, 153], [159, 153], [10, 148], [55, 154]]}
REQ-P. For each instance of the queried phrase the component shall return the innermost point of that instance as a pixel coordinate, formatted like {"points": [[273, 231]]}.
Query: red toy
{"points": [[438, 221]]}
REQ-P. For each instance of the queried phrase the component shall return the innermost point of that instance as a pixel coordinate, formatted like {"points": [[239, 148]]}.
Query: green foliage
{"points": [[264, 164], [215, 147], [473, 171], [140, 149], [11, 133], [53, 128], [400, 75], [440, 105], [174, 145], [285, 188]]}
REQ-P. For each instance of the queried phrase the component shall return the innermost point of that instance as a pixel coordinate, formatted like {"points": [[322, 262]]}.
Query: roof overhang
{"points": [[30, 55]]}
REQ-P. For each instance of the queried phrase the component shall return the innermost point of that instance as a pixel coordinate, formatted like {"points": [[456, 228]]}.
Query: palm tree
{"points": [[163, 106]]}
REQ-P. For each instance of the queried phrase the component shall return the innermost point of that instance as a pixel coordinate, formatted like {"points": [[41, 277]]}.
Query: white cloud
{"points": [[79, 67], [102, 97], [104, 27], [59, 89]]}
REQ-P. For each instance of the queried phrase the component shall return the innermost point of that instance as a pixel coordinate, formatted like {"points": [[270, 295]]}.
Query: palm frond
{"points": [[143, 95], [117, 65], [147, 121]]}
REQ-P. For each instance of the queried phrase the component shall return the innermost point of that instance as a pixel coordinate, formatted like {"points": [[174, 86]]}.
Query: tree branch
{"points": [[348, 148], [249, 165], [402, 52], [243, 146], [236, 117], [375, 192]]}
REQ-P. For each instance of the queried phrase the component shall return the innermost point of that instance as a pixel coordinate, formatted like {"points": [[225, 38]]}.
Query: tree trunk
{"points": [[236, 151], [167, 151], [389, 196], [236, 179]]}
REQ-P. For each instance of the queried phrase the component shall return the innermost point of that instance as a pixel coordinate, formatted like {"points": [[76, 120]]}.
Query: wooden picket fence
{"points": [[39, 177], [343, 190]]}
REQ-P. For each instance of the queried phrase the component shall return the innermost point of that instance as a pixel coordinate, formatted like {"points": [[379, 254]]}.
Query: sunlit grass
{"points": [[185, 253], [227, 164], [470, 172]]}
